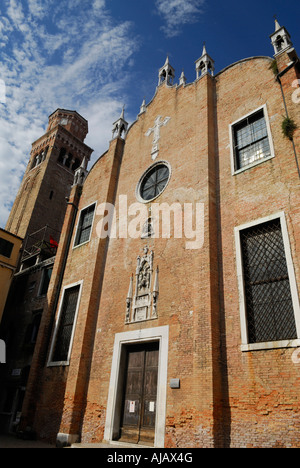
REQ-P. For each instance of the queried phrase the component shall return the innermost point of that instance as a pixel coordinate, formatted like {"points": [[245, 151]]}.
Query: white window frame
{"points": [[246, 346], [78, 222], [57, 324], [235, 171]]}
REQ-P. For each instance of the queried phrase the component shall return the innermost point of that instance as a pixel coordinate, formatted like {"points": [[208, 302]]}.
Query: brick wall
{"points": [[227, 397], [262, 385]]}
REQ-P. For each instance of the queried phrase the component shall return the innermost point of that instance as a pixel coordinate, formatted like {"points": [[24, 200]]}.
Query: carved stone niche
{"points": [[143, 304]]}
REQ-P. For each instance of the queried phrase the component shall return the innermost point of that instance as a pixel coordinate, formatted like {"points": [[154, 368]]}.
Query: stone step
{"points": [[112, 445]]}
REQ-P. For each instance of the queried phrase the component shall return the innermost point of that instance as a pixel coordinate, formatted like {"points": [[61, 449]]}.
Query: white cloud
{"points": [[177, 13], [2, 92], [37, 8], [69, 54], [102, 114], [98, 5]]}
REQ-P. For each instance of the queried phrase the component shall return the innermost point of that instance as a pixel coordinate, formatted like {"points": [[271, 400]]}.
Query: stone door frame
{"points": [[115, 393]]}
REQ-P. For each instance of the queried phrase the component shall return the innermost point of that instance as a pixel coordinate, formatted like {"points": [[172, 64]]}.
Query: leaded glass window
{"points": [[66, 324], [154, 182], [251, 141], [85, 225], [269, 306]]}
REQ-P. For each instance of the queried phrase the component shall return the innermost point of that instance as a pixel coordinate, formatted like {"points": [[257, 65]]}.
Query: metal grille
{"points": [[269, 304], [66, 323], [251, 140]]}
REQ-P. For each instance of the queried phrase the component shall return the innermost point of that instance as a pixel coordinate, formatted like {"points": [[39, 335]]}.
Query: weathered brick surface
{"points": [[262, 385], [227, 397]]}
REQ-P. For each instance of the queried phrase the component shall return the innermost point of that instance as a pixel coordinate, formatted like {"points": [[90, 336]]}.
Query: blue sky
{"points": [[93, 56]]}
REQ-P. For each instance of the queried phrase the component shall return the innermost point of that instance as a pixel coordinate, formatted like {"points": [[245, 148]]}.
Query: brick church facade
{"points": [[172, 315]]}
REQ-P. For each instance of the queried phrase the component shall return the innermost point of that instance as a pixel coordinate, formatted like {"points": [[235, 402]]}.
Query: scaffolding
{"points": [[40, 245]]}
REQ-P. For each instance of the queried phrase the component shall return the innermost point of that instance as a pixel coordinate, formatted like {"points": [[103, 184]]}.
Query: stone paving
{"points": [[14, 442]]}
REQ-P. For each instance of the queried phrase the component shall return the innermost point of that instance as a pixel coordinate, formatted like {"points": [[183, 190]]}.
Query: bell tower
{"points": [[205, 64], [54, 159], [166, 74], [281, 39]]}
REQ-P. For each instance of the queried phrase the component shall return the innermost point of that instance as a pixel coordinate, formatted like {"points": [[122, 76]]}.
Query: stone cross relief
{"points": [[156, 134]]}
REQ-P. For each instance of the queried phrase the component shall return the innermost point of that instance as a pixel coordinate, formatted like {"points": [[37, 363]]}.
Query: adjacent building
{"points": [[37, 216], [10, 246]]}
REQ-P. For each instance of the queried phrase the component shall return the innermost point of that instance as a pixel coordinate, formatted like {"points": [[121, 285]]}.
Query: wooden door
{"points": [[140, 394]]}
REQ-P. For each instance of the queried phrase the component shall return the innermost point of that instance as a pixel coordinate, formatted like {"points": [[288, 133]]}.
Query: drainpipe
{"points": [[291, 65]]}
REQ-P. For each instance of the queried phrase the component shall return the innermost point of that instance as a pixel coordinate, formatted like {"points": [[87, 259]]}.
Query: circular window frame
{"points": [[139, 185]]}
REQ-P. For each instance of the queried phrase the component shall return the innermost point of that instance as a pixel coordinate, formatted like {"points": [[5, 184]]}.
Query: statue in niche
{"points": [[144, 271], [144, 277]]}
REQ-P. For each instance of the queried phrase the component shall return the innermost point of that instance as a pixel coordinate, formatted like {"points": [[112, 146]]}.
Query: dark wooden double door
{"points": [[140, 394]]}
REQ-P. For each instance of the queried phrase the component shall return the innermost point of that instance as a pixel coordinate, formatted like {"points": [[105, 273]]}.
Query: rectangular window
{"points": [[46, 277], [85, 225], [6, 248], [267, 294], [251, 140], [66, 321]]}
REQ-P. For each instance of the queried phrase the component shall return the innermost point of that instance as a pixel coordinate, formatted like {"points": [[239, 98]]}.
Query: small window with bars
{"points": [[85, 225], [251, 141], [63, 337], [268, 299]]}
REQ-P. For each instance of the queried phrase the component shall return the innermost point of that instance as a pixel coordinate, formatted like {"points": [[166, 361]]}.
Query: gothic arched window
{"points": [[69, 160], [76, 164], [62, 155], [279, 43]]}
